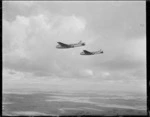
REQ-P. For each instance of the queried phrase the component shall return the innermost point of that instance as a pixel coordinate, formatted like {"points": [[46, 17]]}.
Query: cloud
{"points": [[11, 9], [15, 35], [32, 40], [72, 23], [31, 31], [139, 74], [86, 73], [118, 22], [28, 40], [105, 74], [89, 72], [22, 3], [122, 54], [122, 64]]}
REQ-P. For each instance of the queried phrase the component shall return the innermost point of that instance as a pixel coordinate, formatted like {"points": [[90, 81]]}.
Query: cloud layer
{"points": [[30, 38]]}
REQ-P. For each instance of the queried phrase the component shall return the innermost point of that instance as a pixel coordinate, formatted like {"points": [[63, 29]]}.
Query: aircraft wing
{"points": [[62, 44], [87, 52]]}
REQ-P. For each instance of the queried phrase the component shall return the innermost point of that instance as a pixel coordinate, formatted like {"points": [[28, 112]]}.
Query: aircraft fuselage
{"points": [[82, 53], [70, 46], [92, 53]]}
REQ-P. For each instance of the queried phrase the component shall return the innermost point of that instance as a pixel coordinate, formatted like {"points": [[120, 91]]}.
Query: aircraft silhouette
{"points": [[66, 46], [85, 52]]}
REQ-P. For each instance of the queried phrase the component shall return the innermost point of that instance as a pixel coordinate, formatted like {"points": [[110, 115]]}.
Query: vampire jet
{"points": [[65, 46], [85, 52]]}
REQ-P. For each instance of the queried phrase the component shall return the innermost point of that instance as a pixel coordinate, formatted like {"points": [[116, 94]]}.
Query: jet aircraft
{"points": [[65, 46], [85, 52]]}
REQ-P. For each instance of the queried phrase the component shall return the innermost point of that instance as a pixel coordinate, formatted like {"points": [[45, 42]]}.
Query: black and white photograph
{"points": [[74, 58]]}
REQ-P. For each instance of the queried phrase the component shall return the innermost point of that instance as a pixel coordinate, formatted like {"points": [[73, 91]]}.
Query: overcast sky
{"points": [[31, 30]]}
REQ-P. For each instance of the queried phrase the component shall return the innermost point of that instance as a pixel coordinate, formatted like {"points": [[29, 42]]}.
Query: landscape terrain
{"points": [[72, 103]]}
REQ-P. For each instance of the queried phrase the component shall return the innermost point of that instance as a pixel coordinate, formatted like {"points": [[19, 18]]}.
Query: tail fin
{"points": [[80, 42], [99, 51]]}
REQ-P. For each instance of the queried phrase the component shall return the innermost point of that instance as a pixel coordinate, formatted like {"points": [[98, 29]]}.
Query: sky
{"points": [[31, 30]]}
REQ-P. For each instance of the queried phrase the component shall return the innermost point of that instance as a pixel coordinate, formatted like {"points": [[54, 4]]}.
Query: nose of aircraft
{"points": [[82, 53], [58, 46]]}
